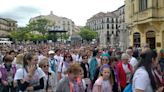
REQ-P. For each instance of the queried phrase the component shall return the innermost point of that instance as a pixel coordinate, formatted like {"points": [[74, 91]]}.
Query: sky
{"points": [[76, 10]]}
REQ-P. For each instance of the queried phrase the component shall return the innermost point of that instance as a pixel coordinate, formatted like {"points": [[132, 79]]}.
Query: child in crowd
{"points": [[103, 83]]}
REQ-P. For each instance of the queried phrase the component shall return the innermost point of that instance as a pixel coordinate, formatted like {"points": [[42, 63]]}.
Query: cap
{"points": [[51, 52], [105, 55]]}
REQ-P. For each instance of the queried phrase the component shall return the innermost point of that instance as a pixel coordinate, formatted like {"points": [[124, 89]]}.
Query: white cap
{"points": [[51, 52]]}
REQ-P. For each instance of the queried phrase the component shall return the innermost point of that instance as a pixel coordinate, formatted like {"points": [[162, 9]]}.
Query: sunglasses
{"points": [[46, 66], [105, 59]]}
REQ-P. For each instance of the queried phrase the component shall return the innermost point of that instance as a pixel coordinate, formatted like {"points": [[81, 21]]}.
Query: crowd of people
{"points": [[48, 68]]}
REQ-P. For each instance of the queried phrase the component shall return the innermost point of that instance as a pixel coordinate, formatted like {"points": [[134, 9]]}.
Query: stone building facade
{"points": [[7, 25], [110, 27], [145, 19], [58, 23]]}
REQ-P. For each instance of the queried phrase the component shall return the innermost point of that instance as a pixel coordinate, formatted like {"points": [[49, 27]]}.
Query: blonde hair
{"points": [[19, 59], [125, 56], [43, 61]]}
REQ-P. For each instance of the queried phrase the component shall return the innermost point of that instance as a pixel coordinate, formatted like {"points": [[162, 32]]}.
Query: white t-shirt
{"points": [[141, 80], [58, 58], [74, 57], [22, 73], [133, 62], [62, 68]]}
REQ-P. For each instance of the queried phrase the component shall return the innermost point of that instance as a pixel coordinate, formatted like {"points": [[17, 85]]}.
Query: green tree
{"points": [[87, 34], [52, 37], [39, 25], [65, 36], [19, 34]]}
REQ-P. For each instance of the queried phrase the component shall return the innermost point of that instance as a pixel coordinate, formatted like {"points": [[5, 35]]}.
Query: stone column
{"points": [[103, 37]]}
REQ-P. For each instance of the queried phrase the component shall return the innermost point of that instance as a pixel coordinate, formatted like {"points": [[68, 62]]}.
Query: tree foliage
{"points": [[19, 34], [36, 30], [39, 25], [87, 34]]}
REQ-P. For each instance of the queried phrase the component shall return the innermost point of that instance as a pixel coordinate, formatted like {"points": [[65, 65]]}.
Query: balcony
{"points": [[150, 14]]}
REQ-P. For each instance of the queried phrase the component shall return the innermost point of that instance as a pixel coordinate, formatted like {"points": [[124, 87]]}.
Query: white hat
{"points": [[51, 52]]}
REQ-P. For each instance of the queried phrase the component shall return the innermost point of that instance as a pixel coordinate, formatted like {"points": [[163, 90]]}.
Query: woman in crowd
{"points": [[125, 71], [7, 70], [103, 83], [114, 73], [104, 60], [69, 82], [30, 77], [146, 79], [51, 78], [64, 65], [85, 68]]}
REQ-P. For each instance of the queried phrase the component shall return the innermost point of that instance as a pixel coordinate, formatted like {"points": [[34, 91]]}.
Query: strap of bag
{"points": [[47, 82]]}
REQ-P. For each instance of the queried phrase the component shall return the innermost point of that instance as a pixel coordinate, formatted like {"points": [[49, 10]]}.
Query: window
{"points": [[142, 5], [108, 36], [116, 26], [107, 26], [112, 26], [112, 20], [107, 20]]}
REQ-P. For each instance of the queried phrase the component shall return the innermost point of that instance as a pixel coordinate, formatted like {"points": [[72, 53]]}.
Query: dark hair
{"points": [[27, 57], [67, 54], [11, 51], [84, 55], [130, 47], [112, 59], [8, 58], [146, 61], [95, 52], [57, 50]]}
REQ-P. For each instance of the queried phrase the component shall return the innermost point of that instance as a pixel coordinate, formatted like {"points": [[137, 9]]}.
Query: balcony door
{"points": [[150, 39], [136, 39]]}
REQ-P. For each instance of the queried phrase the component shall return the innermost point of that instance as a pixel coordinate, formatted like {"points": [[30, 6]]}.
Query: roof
{"points": [[10, 20]]}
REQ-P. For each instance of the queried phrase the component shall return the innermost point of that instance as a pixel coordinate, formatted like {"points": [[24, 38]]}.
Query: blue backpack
{"points": [[128, 88]]}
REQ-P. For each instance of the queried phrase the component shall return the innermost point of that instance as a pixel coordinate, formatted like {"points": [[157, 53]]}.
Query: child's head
{"points": [[105, 71], [74, 71]]}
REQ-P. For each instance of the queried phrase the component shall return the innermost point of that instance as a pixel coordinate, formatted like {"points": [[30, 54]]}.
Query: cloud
{"points": [[22, 14]]}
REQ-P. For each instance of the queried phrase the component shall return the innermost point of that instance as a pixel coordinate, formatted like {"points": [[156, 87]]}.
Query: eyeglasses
{"points": [[105, 59], [46, 66]]}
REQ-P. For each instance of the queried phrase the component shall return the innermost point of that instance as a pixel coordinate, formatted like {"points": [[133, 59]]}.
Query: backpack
{"points": [[128, 88]]}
